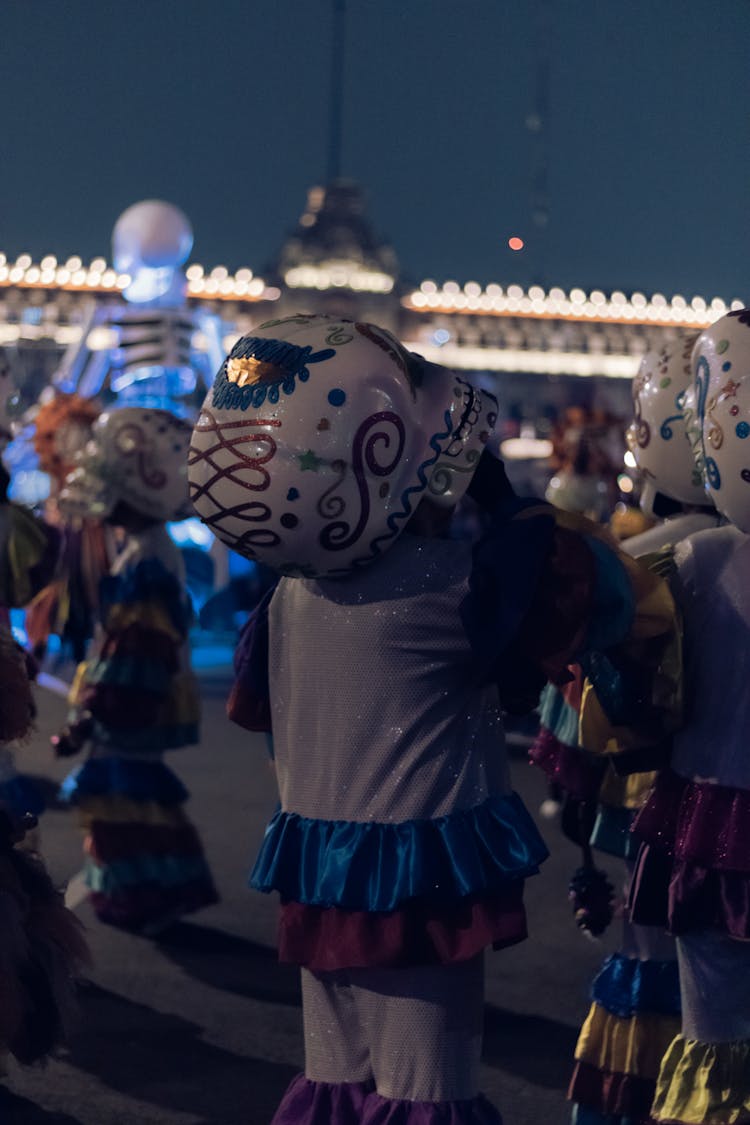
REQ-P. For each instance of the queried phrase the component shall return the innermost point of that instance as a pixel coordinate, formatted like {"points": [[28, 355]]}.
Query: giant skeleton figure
{"points": [[694, 872], [399, 850], [144, 350]]}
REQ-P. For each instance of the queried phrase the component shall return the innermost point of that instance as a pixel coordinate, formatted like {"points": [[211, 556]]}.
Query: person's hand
{"points": [[72, 738], [13, 827], [64, 744]]}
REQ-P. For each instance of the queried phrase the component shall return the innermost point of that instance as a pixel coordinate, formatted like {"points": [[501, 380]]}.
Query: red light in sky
{"points": [[515, 243]]}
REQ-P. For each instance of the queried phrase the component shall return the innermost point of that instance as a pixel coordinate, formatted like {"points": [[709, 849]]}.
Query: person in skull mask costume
{"points": [[694, 871], [329, 452], [136, 698]]}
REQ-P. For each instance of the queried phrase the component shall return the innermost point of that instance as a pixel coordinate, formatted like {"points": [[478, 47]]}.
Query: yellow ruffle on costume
{"points": [[633, 1045], [704, 1083], [145, 614], [626, 792]]}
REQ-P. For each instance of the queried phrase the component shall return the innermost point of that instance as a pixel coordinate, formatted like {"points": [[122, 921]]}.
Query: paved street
{"points": [[204, 1028]]}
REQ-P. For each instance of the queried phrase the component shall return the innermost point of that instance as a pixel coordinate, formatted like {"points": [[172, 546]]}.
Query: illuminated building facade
{"points": [[540, 349]]}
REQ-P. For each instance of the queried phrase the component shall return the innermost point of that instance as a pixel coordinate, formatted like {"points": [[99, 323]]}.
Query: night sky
{"points": [[222, 108]]}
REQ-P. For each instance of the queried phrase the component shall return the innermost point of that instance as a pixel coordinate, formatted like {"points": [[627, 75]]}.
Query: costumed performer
{"points": [[29, 550], [694, 871], [329, 452], [42, 948], [137, 697], [67, 607], [635, 996]]}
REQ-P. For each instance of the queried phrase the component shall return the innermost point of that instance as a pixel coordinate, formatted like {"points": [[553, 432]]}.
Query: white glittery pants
{"points": [[715, 986], [415, 1032]]}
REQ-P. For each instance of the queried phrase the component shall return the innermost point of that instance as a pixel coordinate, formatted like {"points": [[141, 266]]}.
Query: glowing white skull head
{"points": [[721, 365], [657, 436], [153, 234], [134, 456], [319, 438]]}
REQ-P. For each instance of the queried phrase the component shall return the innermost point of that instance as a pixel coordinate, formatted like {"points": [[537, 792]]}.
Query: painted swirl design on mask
{"points": [[665, 429], [639, 431], [702, 380], [459, 459], [132, 441], [377, 448], [244, 470], [330, 507]]}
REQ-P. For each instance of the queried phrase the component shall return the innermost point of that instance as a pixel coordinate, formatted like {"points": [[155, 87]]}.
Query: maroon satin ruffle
{"points": [[700, 899], [621, 1095], [420, 933], [681, 896], [572, 769], [698, 823]]}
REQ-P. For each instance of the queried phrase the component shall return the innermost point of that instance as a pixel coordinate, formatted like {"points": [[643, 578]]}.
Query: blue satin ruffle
{"points": [[124, 777], [626, 986], [556, 714], [585, 1115], [375, 866], [611, 832]]}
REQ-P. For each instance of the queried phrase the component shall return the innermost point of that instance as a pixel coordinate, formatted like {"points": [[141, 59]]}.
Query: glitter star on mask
{"points": [[309, 461]]}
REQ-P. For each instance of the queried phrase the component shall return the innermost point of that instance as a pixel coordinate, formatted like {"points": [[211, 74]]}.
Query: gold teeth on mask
{"points": [[247, 372]]}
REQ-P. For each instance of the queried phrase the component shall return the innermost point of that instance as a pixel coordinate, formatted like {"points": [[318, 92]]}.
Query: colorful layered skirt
{"points": [[693, 873], [144, 861]]}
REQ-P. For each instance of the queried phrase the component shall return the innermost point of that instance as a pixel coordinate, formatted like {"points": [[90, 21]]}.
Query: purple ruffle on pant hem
{"points": [[322, 1103], [355, 1103], [387, 1111], [717, 900]]}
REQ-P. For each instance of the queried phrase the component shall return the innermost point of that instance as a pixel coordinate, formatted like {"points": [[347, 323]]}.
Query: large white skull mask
{"points": [[319, 438], [721, 364], [657, 437], [134, 456]]}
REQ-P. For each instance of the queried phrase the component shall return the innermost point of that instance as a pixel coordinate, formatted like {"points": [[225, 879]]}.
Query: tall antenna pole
{"points": [[537, 122], [338, 51]]}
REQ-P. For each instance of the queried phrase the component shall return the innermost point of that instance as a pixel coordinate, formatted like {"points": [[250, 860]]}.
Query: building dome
{"points": [[334, 244]]}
